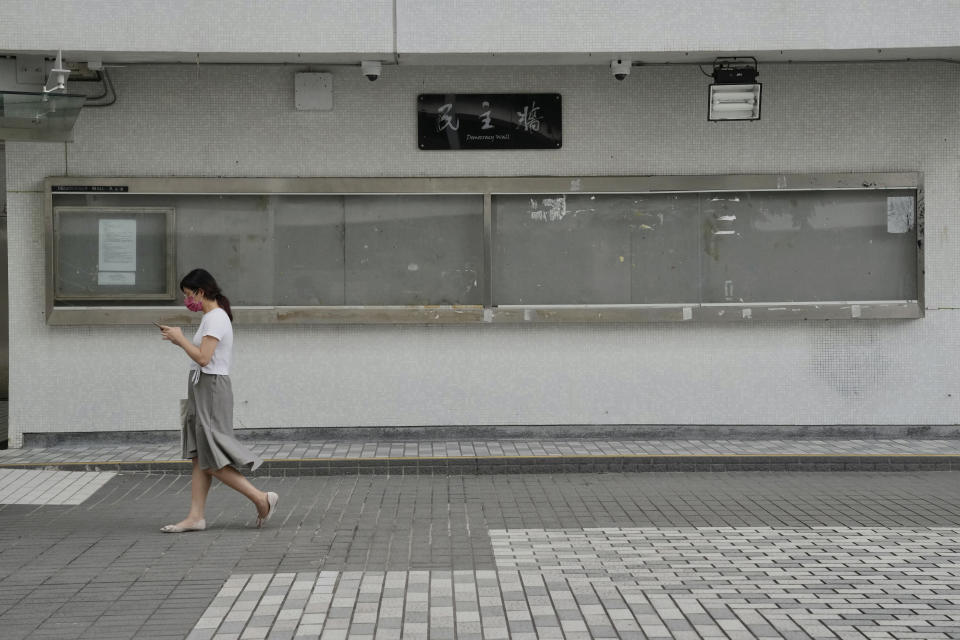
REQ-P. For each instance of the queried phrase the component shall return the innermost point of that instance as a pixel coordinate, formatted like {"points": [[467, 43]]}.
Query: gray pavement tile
{"points": [[763, 533]]}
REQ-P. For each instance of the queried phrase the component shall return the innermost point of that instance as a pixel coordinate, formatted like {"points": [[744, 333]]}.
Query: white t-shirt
{"points": [[216, 323]]}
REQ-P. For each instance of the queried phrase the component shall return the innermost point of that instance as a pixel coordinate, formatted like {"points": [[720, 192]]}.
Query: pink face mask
{"points": [[193, 304]]}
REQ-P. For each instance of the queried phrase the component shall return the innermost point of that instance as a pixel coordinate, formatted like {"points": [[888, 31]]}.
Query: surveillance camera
{"points": [[620, 68], [371, 69]]}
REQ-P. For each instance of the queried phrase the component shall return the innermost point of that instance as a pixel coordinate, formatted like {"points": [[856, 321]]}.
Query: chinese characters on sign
{"points": [[529, 118], [489, 121]]}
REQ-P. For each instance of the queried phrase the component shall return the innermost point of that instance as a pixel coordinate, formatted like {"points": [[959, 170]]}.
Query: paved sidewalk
{"points": [[521, 455], [618, 555]]}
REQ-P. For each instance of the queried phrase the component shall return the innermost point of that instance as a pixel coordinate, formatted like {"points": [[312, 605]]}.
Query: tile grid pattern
{"points": [[724, 582], [34, 486], [516, 448], [103, 570], [819, 118]]}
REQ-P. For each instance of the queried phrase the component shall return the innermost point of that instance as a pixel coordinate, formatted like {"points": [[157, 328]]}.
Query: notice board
{"points": [[114, 252]]}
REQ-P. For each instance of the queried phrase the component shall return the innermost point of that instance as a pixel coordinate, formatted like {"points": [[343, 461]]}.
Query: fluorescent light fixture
{"points": [[734, 102], [735, 94]]}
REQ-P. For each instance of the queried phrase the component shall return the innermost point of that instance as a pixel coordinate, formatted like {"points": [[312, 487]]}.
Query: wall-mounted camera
{"points": [[371, 69], [620, 68]]}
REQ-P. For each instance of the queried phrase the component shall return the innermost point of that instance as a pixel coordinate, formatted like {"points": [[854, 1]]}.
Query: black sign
{"points": [[110, 188], [489, 121]]}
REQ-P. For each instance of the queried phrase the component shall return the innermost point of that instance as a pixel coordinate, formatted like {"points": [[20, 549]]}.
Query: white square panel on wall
{"points": [[313, 91]]}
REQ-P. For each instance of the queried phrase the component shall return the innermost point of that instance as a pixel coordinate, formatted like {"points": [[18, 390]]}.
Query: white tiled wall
{"points": [[240, 121]]}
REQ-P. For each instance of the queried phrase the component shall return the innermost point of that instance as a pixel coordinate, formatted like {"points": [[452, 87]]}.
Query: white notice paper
{"points": [[118, 245], [128, 278]]}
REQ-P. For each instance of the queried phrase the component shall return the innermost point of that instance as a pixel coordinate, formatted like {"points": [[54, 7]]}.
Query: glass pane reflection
{"points": [[38, 116]]}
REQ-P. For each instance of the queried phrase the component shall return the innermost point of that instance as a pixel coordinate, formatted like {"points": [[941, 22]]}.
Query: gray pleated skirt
{"points": [[207, 417]]}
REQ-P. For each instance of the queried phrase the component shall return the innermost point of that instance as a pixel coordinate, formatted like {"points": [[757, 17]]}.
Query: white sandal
{"points": [[199, 525], [272, 500]]}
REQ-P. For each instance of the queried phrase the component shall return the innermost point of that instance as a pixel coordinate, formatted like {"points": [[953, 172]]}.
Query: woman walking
{"points": [[208, 437]]}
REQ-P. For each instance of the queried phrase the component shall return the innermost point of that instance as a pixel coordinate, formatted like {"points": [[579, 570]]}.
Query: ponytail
{"points": [[224, 303]]}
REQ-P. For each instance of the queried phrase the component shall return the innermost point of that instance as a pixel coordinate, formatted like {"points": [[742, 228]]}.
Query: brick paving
{"points": [[510, 447], [31, 486], [520, 455], [618, 555]]}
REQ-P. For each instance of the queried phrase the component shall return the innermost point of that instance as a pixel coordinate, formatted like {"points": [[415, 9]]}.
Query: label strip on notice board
{"points": [[101, 188]]}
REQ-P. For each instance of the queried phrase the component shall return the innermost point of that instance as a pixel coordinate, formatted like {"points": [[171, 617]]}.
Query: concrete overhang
{"points": [[678, 57], [465, 58]]}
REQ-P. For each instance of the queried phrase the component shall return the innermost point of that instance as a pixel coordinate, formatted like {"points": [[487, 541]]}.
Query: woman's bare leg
{"points": [[199, 488], [235, 480]]}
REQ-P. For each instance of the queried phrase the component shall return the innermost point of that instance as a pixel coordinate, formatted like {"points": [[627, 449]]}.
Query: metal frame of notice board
{"points": [[488, 187], [169, 267]]}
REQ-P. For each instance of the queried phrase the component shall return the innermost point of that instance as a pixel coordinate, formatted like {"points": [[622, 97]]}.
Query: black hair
{"points": [[201, 280]]}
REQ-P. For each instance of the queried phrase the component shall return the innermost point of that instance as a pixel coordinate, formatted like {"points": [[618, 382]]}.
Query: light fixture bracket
{"points": [[735, 92], [57, 81], [736, 70]]}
